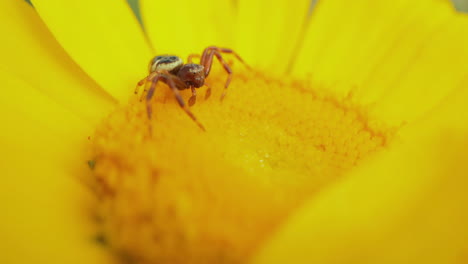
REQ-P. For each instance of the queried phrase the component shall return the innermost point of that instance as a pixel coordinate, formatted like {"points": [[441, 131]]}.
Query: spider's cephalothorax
{"points": [[179, 76], [193, 75]]}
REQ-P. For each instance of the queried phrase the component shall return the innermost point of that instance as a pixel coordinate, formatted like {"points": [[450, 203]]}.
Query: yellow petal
{"points": [[30, 52], [267, 31], [103, 37], [185, 27], [437, 68], [43, 219], [409, 205], [404, 56]]}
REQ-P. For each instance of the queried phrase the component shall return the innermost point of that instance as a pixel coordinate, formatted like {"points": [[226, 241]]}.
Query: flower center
{"points": [[170, 193]]}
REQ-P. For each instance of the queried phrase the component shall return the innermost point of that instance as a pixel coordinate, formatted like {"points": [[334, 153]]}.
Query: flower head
{"points": [[344, 142]]}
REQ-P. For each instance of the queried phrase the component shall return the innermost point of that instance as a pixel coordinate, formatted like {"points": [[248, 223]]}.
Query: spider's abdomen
{"points": [[168, 63]]}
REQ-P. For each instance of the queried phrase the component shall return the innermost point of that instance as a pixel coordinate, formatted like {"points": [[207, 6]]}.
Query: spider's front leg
{"points": [[181, 102], [207, 61], [191, 56], [170, 80]]}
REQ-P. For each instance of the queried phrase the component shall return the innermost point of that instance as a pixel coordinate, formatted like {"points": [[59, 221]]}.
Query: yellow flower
{"points": [[357, 155]]}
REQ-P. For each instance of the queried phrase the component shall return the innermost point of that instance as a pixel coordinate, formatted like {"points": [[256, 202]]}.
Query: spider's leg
{"points": [[169, 80], [139, 84], [150, 94], [191, 56], [230, 51], [143, 82], [207, 60], [227, 69], [193, 98], [143, 94], [207, 57]]}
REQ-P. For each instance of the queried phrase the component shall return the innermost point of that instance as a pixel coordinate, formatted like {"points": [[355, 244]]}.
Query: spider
{"points": [[179, 76]]}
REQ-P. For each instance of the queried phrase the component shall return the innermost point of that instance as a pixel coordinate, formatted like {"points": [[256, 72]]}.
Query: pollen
{"points": [[168, 192]]}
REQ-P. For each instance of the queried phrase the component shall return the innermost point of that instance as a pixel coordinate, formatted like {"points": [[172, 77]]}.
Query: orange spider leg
{"points": [[169, 80], [191, 56], [143, 82], [207, 61], [207, 57]]}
